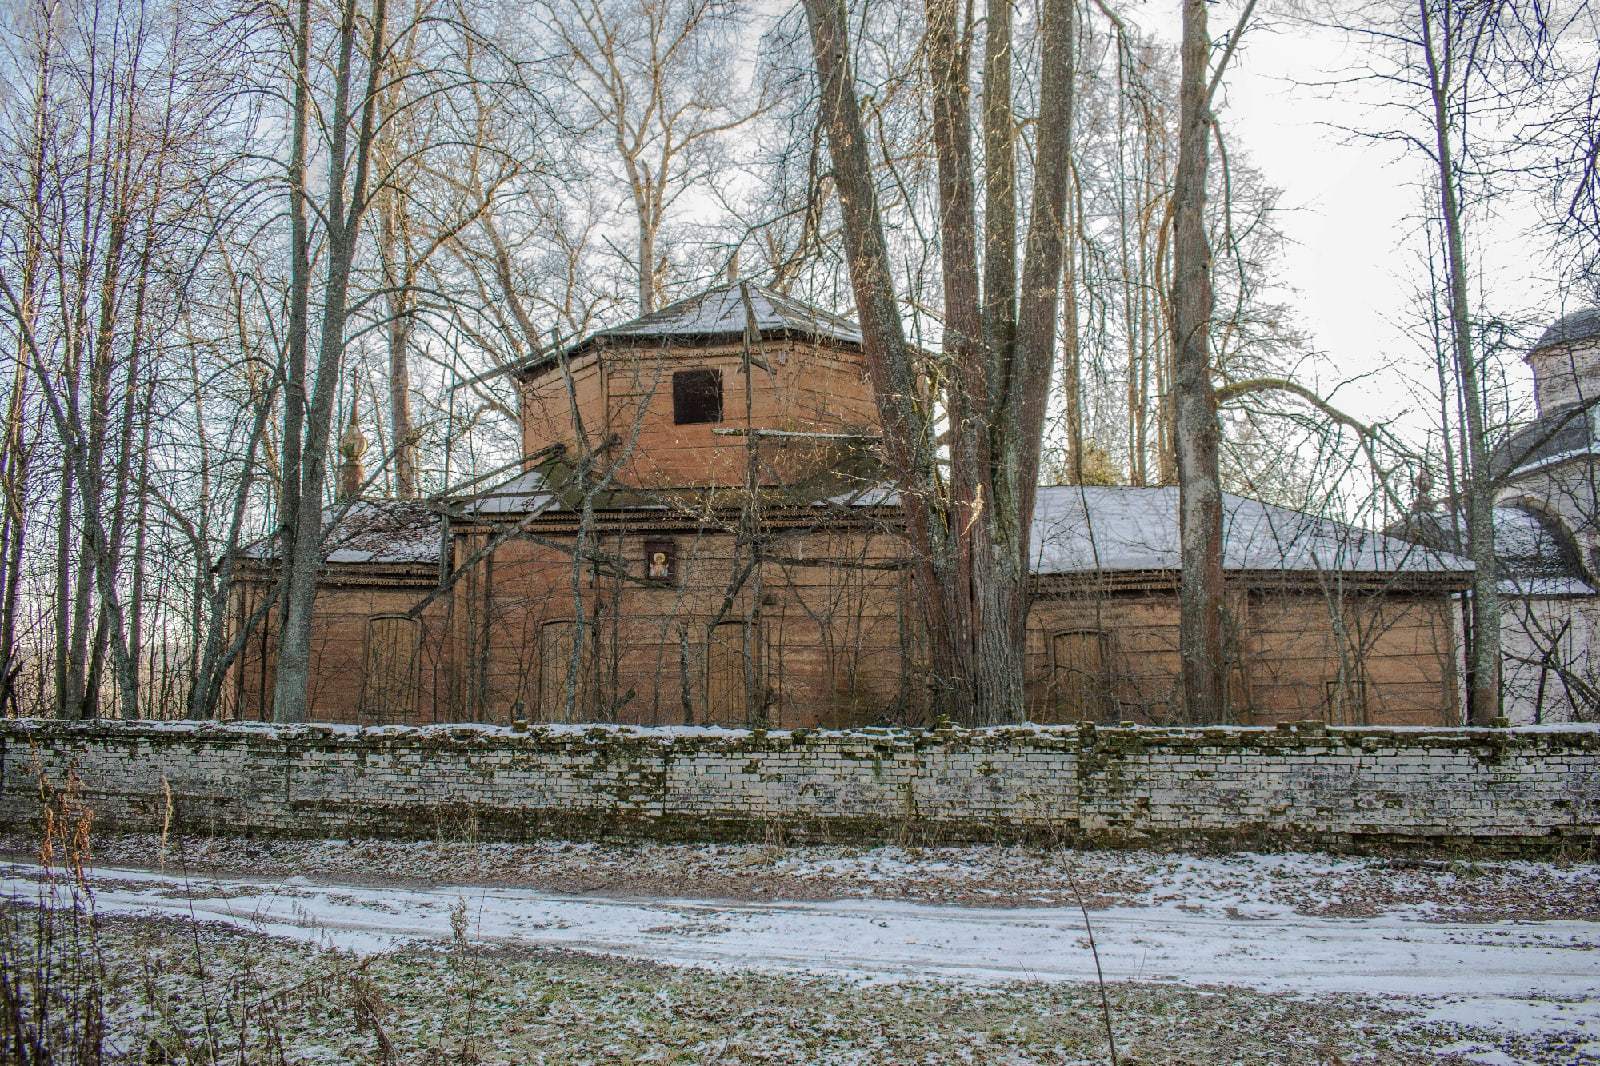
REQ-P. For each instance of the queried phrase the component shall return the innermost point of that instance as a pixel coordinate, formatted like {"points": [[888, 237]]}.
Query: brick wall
{"points": [[1511, 789]]}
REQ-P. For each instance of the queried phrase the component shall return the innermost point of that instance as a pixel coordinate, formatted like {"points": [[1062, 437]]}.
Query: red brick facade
{"points": [[700, 602]]}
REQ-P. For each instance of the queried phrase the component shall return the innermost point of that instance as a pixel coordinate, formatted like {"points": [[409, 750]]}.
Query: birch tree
{"points": [[116, 137]]}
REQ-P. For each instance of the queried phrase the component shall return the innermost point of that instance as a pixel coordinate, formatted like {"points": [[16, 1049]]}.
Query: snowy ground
{"points": [[1307, 958], [1312, 884]]}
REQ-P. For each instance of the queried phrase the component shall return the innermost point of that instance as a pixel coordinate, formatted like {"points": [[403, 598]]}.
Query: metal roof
{"points": [[1563, 433], [1580, 325], [718, 314], [1103, 529], [1076, 530], [1534, 555], [371, 531]]}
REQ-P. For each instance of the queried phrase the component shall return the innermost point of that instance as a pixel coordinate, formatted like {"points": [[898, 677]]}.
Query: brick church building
{"points": [[699, 532]]}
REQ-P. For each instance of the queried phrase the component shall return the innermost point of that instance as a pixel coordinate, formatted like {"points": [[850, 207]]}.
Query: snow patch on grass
{"points": [[1512, 972]]}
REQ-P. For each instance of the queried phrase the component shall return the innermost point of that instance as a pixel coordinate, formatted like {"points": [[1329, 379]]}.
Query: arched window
{"points": [[389, 677]]}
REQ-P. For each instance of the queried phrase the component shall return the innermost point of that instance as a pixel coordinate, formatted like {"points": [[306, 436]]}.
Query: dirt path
{"points": [[1525, 976]]}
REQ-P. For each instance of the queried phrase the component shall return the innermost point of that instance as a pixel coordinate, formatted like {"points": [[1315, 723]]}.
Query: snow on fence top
{"points": [[537, 730], [1508, 789]]}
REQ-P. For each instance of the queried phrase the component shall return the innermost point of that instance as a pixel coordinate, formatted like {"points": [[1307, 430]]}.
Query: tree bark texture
{"points": [[1200, 592], [1483, 696], [345, 210], [969, 533]]}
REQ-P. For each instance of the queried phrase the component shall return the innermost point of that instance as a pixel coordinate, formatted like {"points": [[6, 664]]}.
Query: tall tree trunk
{"points": [[297, 337], [399, 274], [1195, 415], [1483, 697], [969, 540], [999, 183], [141, 527], [975, 597], [647, 252], [67, 704], [345, 209], [1028, 384], [402, 432], [907, 432], [1071, 360]]}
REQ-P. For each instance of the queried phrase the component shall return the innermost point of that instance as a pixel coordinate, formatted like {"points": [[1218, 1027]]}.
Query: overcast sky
{"points": [[1352, 211], [1352, 208]]}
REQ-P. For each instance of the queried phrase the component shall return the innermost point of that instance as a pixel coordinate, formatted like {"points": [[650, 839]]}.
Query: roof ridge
{"points": [[1579, 324], [711, 313]]}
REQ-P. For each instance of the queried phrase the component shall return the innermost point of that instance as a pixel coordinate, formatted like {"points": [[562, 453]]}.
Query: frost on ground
{"points": [[1312, 884], [495, 1004], [747, 954], [199, 991]]}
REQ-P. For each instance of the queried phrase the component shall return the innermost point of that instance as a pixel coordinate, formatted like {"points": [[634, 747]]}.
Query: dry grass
{"points": [[184, 992]]}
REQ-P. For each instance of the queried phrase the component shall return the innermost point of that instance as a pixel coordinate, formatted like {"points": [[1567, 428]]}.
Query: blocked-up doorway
{"points": [[1078, 676], [389, 671], [730, 666], [556, 642]]}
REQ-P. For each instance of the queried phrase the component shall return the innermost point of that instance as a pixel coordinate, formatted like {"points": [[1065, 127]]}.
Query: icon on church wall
{"points": [[660, 557]]}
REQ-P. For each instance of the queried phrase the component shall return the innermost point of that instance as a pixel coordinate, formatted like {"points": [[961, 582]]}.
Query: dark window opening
{"points": [[696, 396]]}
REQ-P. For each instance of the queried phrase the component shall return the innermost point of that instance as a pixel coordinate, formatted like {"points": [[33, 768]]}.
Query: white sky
{"points": [[1352, 210]]}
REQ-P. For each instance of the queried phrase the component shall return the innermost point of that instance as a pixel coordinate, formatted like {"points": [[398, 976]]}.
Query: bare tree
{"points": [[654, 79], [1463, 66], [969, 531], [351, 128], [118, 138], [1196, 432]]}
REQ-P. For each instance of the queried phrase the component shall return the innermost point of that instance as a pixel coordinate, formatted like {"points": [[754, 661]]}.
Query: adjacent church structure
{"points": [[700, 532], [1546, 532]]}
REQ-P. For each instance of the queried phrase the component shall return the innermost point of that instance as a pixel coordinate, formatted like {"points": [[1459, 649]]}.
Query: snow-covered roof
{"points": [[1580, 325], [523, 494], [719, 313], [1534, 555], [1092, 528], [372, 531], [866, 496], [1561, 435]]}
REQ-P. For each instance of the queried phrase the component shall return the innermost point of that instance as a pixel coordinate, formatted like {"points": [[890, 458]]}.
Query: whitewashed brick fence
{"points": [[1518, 790]]}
